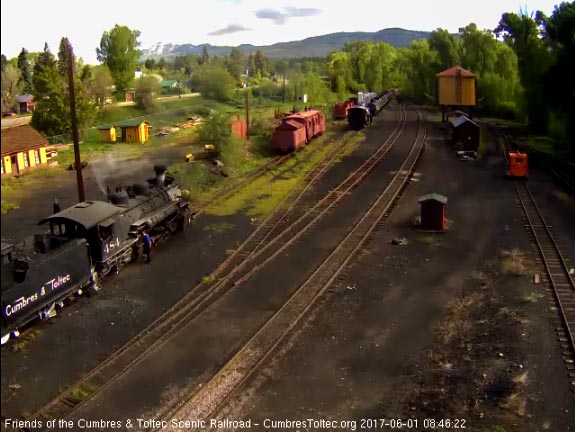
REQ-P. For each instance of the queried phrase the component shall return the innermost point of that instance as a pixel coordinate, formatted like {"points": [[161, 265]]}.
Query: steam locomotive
{"points": [[361, 115], [84, 243]]}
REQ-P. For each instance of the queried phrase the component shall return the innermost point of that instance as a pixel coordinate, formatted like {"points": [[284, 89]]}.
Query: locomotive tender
{"points": [[85, 241]]}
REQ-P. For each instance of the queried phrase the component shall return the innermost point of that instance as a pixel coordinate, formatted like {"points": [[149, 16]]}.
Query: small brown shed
{"points": [[433, 212], [465, 133]]}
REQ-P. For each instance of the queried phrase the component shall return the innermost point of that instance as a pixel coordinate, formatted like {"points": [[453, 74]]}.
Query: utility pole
{"points": [[247, 115], [75, 137]]}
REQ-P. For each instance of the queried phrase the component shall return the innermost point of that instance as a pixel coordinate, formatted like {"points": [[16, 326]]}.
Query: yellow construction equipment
{"points": [[209, 152]]}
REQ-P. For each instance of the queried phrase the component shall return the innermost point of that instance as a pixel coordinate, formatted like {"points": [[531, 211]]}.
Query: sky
{"points": [[233, 22]]}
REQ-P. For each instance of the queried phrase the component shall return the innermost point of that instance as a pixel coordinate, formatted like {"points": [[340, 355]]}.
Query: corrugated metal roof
{"points": [[433, 197], [452, 71], [21, 138]]}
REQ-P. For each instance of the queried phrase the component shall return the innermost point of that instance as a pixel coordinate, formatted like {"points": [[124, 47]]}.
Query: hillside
{"points": [[317, 46]]}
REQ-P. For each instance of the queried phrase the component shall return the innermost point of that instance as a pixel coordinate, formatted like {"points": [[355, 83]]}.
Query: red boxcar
{"points": [[298, 129], [340, 109]]}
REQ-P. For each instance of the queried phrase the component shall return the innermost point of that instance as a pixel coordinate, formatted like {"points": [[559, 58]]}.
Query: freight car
{"points": [[84, 242], [358, 117], [340, 109], [297, 130]]}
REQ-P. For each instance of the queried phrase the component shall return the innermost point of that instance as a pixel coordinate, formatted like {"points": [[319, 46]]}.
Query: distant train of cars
{"points": [[85, 242], [297, 129], [360, 111]]}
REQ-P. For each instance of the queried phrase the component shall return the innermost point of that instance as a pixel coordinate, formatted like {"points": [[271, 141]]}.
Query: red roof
{"points": [[21, 138], [451, 72], [290, 124], [302, 114]]}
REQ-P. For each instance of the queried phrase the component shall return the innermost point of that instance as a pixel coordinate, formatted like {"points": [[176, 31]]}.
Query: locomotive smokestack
{"points": [[160, 174]]}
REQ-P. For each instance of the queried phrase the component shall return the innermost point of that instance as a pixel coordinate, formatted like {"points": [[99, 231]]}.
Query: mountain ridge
{"points": [[314, 46]]}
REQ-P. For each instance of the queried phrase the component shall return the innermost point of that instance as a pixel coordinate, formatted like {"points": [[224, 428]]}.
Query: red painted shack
{"points": [[240, 128], [433, 212]]}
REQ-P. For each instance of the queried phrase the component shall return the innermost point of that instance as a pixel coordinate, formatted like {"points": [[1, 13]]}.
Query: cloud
{"points": [[231, 28], [279, 17]]}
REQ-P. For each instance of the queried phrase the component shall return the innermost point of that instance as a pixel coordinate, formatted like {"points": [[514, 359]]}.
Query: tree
{"points": [[11, 87], [214, 82], [100, 86], [252, 69], [478, 49], [150, 64], [446, 46], [52, 113], [63, 54], [216, 130], [558, 81], [420, 73], [118, 50], [147, 89], [205, 57], [522, 34], [234, 63], [260, 62], [25, 72], [3, 61]]}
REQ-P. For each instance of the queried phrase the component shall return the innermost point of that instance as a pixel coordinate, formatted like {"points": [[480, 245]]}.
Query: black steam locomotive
{"points": [[360, 116], [84, 242]]}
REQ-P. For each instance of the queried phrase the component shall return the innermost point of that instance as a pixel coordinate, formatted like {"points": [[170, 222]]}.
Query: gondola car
{"points": [[358, 117]]}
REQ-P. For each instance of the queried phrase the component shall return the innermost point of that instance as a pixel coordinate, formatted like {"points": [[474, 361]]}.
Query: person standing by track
{"points": [[147, 246]]}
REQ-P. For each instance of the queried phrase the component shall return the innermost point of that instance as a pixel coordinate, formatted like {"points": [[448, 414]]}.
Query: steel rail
{"points": [[266, 341], [115, 365], [556, 267]]}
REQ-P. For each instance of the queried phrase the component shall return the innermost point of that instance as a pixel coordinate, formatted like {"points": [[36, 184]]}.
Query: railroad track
{"points": [[205, 403], [185, 310], [557, 276], [560, 174], [228, 190]]}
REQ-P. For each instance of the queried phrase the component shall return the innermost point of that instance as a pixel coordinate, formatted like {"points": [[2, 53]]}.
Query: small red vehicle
{"points": [[517, 164]]}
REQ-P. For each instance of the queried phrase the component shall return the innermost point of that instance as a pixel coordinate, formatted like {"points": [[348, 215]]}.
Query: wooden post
{"points": [[247, 115], [75, 136]]}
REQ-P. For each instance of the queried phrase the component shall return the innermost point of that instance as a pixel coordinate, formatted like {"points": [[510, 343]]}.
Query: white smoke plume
{"points": [[113, 171]]}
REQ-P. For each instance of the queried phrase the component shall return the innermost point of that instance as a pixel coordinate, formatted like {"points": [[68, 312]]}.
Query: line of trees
{"points": [[525, 69]]}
